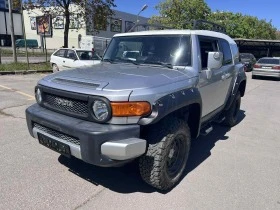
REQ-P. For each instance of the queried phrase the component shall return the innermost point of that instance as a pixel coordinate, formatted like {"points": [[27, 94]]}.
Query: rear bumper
{"points": [[266, 73], [97, 144]]}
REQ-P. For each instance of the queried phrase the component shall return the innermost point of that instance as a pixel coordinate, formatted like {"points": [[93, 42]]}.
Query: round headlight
{"points": [[100, 110], [38, 96]]}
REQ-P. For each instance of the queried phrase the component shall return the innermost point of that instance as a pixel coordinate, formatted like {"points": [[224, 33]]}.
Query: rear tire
{"points": [[167, 154], [232, 113], [55, 68]]}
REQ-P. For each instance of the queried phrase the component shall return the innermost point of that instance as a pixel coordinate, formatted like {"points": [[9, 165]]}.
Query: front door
{"points": [[210, 83]]}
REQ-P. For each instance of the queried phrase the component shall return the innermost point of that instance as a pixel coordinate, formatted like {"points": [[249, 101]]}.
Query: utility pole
{"points": [[12, 31], [24, 36]]}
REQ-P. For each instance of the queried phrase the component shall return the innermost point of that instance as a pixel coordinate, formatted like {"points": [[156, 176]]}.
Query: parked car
{"points": [[30, 43], [147, 108], [65, 58], [267, 67], [248, 60]]}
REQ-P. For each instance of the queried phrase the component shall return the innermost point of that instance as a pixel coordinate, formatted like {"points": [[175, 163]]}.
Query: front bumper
{"points": [[97, 144]]}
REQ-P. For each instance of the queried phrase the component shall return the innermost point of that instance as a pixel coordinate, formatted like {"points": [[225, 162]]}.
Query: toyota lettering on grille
{"points": [[63, 102]]}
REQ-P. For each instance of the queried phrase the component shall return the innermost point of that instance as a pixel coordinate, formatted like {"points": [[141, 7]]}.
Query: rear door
{"points": [[70, 59], [211, 88], [58, 58], [227, 69]]}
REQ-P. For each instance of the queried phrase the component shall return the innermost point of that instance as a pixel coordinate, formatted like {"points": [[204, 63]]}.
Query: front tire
{"points": [[231, 114], [167, 154]]}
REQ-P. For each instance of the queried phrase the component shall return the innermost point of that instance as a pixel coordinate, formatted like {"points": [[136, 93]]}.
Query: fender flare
{"points": [[171, 103], [241, 78]]}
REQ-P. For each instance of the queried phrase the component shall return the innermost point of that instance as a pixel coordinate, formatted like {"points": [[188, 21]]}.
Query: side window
{"points": [[71, 55], [227, 52], [207, 45], [60, 53]]}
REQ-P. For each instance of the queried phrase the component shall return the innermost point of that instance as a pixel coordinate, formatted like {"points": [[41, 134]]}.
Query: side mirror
{"points": [[215, 60]]}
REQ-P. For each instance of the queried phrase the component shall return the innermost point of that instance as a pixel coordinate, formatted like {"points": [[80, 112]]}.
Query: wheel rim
{"points": [[177, 156]]}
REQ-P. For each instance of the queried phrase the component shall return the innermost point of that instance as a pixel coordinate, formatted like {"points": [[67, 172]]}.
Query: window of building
{"points": [[116, 25]]}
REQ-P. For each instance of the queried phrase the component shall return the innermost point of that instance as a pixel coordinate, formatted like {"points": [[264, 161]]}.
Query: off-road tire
{"points": [[55, 68], [161, 138], [231, 115]]}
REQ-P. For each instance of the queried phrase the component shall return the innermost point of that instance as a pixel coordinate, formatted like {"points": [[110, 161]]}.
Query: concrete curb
{"points": [[24, 72]]}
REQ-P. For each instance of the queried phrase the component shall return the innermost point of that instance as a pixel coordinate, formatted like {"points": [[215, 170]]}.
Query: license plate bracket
{"points": [[55, 145]]}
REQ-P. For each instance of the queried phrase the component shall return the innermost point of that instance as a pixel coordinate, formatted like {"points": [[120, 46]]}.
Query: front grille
{"points": [[58, 134], [66, 104]]}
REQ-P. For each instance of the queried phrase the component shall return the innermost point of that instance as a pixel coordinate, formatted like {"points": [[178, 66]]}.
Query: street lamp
{"points": [[145, 6]]}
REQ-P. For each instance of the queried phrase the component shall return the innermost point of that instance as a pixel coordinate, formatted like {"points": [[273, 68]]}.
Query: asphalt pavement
{"points": [[237, 168]]}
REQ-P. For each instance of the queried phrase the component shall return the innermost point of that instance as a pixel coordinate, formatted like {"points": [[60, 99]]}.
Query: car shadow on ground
{"points": [[127, 179], [276, 79]]}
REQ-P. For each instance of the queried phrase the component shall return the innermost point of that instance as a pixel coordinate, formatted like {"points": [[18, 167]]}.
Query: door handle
{"points": [[63, 61]]}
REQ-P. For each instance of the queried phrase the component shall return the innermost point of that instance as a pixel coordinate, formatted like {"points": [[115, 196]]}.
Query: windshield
{"points": [[87, 55], [159, 49]]}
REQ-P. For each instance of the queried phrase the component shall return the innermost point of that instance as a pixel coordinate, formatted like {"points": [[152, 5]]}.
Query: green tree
{"points": [[16, 4], [278, 35], [91, 12], [244, 26], [176, 13]]}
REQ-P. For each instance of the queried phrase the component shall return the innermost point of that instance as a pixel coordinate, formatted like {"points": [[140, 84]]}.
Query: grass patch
{"points": [[23, 66], [21, 53]]}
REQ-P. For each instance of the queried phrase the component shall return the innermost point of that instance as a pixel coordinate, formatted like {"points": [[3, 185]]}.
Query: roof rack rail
{"points": [[199, 24], [194, 25], [147, 27]]}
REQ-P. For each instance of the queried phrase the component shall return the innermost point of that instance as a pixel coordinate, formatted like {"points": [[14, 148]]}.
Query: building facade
{"points": [[120, 23], [5, 30], [4, 4]]}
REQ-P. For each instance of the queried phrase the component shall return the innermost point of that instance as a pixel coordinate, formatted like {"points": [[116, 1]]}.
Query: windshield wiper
{"points": [[108, 60], [132, 61], [168, 65]]}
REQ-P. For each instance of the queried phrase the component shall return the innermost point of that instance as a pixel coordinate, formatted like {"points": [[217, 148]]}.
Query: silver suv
{"points": [[153, 92]]}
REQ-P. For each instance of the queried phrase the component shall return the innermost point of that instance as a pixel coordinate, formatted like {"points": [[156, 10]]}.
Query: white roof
{"points": [[177, 31]]}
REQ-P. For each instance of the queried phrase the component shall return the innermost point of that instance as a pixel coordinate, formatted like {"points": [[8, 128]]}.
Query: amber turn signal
{"points": [[126, 109]]}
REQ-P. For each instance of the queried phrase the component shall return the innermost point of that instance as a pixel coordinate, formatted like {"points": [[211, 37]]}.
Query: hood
{"points": [[117, 77]]}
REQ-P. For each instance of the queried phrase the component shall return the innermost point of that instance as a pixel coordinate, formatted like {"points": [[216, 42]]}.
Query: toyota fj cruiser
{"points": [[145, 105]]}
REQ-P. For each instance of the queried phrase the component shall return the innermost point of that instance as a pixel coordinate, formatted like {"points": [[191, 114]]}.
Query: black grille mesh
{"points": [[58, 134], [66, 104]]}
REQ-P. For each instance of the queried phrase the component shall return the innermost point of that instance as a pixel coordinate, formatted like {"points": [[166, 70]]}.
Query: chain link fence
{"points": [[33, 55]]}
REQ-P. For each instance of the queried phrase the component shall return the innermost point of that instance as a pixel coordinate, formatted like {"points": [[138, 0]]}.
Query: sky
{"points": [[263, 9]]}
